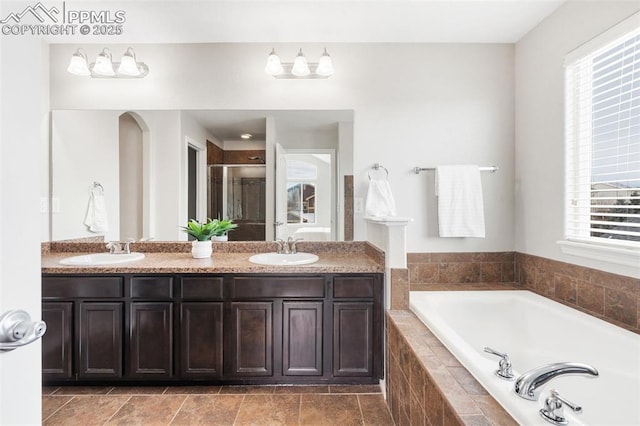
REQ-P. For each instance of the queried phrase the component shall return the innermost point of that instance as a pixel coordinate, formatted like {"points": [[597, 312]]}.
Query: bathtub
{"points": [[535, 331]]}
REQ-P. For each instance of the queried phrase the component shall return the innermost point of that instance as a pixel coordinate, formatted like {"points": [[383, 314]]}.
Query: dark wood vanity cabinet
{"points": [[57, 341], [302, 338], [231, 328], [100, 327]]}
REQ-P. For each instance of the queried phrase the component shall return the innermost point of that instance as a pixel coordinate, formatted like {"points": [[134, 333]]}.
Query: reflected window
{"points": [[301, 192]]}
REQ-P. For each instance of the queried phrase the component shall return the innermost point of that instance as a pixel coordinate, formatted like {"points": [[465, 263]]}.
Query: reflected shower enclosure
{"points": [[238, 192]]}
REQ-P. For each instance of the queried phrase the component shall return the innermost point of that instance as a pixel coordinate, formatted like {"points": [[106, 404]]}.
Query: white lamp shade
{"points": [[78, 65], [325, 67], [273, 67], [103, 65], [300, 67], [128, 65]]}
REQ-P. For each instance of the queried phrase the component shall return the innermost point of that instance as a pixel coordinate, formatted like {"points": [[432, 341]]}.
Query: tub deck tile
{"points": [[436, 382]]}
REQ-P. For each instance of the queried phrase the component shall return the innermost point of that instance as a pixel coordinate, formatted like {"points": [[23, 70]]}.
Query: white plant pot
{"points": [[220, 238], [201, 249]]}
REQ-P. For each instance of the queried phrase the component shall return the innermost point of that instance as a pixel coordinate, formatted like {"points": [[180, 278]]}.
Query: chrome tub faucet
{"points": [[528, 386]]}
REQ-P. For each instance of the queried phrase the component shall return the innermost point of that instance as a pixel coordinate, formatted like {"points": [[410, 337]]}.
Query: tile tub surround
{"points": [[445, 268], [348, 208], [610, 297], [426, 385]]}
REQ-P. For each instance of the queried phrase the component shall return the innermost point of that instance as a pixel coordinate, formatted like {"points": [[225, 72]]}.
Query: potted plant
{"points": [[221, 229], [202, 232]]}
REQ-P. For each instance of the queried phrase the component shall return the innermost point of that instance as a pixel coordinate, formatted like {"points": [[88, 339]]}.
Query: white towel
{"points": [[380, 202], [460, 205], [96, 218]]}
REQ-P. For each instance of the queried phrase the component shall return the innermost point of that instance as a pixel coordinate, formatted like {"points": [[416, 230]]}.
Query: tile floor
{"points": [[215, 405]]}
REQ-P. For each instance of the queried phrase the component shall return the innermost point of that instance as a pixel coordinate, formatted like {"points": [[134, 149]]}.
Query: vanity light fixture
{"points": [[299, 68], [78, 64], [104, 67]]}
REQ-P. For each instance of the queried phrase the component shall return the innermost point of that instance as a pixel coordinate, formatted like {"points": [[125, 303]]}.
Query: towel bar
{"points": [[417, 170]]}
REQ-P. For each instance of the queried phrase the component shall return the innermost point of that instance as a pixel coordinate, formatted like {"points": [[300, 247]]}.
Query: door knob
{"points": [[17, 329]]}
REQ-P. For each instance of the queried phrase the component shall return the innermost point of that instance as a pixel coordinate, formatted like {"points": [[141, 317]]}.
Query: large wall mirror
{"points": [[275, 173]]}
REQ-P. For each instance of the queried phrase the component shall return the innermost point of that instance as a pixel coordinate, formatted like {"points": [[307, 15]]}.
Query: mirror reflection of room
{"points": [[160, 168]]}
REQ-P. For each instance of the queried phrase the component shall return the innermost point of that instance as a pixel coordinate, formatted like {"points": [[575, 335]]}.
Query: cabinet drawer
{"points": [[151, 287], [196, 288], [289, 287], [353, 287], [81, 287]]}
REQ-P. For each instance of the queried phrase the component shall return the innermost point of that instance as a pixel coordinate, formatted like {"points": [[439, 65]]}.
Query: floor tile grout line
{"points": [[118, 410], [58, 409], [360, 408], [179, 408], [235, 420]]}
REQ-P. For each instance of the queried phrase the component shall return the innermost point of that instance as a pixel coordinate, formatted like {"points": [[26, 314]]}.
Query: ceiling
{"points": [[228, 125], [321, 21]]}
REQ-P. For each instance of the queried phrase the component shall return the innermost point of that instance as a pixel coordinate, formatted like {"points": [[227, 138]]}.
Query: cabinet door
{"points": [[100, 342], [201, 339], [151, 340], [353, 339], [252, 339], [57, 341], [302, 338]]}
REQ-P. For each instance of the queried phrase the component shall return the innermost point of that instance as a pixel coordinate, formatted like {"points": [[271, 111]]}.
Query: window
{"points": [[301, 192], [603, 141]]}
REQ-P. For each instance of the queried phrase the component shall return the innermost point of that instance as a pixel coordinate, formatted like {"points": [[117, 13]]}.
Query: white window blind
{"points": [[603, 143]]}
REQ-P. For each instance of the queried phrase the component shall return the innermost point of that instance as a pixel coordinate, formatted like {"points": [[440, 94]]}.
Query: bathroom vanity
{"points": [[231, 325]]}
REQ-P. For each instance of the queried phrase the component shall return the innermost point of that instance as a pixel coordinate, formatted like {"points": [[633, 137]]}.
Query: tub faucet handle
{"points": [[504, 366], [553, 408]]}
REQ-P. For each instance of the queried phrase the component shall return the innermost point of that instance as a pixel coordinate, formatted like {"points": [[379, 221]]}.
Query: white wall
{"points": [[539, 68], [415, 105], [84, 150]]}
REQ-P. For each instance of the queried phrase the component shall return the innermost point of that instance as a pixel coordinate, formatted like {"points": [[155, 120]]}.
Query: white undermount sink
{"points": [[277, 259], [97, 259]]}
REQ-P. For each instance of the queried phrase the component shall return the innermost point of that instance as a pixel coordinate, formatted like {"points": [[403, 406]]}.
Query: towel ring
{"points": [[376, 167], [97, 186]]}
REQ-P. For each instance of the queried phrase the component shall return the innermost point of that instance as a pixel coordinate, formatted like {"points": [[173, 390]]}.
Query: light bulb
{"points": [[78, 64], [128, 64], [273, 67], [325, 67], [103, 65], [300, 67]]}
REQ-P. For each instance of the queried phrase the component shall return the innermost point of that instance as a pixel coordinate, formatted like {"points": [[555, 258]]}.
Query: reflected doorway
{"points": [[131, 179]]}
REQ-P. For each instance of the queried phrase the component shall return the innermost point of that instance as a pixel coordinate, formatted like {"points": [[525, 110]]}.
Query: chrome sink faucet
{"points": [[117, 247], [287, 247], [292, 245], [528, 386]]}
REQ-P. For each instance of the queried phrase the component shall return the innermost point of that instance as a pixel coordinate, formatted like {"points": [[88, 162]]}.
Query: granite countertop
{"points": [[220, 262]]}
